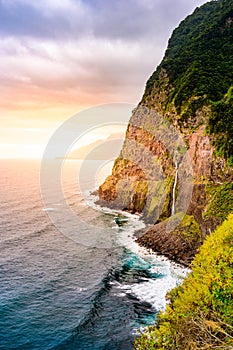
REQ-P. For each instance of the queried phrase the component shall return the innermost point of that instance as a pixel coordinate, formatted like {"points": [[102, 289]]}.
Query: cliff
{"points": [[175, 166]]}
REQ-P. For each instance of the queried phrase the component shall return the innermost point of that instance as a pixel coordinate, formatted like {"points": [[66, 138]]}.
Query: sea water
{"points": [[57, 293]]}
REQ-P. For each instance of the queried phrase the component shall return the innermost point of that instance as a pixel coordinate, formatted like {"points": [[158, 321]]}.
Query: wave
{"points": [[149, 276], [19, 238], [134, 270]]}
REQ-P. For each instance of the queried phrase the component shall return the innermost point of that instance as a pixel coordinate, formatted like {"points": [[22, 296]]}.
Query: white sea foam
{"points": [[91, 200], [170, 274], [153, 290]]}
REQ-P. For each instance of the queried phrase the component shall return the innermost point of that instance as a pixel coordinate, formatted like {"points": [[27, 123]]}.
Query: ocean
{"points": [[69, 291]]}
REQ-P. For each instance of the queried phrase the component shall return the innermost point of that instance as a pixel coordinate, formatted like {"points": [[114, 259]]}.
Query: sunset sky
{"points": [[61, 56]]}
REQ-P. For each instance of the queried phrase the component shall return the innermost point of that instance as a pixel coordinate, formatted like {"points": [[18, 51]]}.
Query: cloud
{"points": [[91, 66], [43, 19], [127, 20], [72, 52]]}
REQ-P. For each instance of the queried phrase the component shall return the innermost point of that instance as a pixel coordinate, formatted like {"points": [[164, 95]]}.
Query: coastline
{"points": [[155, 239], [174, 271], [172, 246]]}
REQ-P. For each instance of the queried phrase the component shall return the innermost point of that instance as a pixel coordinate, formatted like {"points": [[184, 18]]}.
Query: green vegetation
{"points": [[140, 189], [199, 67], [220, 199], [195, 79], [188, 229], [199, 315], [194, 84], [221, 125], [166, 205]]}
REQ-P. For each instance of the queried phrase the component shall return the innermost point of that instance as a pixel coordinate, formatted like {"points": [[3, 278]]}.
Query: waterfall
{"points": [[174, 190]]}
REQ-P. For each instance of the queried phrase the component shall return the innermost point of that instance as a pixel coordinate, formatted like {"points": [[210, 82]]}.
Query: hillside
{"points": [[199, 66], [175, 166], [199, 315], [176, 169]]}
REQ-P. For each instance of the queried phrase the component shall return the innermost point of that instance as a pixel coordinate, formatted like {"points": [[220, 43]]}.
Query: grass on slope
{"points": [[199, 315]]}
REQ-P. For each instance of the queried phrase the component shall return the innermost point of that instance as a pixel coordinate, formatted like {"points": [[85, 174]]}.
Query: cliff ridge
{"points": [[178, 151]]}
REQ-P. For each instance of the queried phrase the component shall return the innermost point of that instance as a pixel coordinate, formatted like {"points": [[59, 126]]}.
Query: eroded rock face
{"points": [[151, 148], [142, 178], [144, 169], [162, 149], [201, 153], [204, 162]]}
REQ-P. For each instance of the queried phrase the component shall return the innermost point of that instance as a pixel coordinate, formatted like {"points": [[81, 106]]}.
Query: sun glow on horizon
{"points": [[30, 143], [21, 151], [23, 142]]}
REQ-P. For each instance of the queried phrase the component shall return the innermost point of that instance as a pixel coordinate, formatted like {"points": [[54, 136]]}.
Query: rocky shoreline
{"points": [[162, 242]]}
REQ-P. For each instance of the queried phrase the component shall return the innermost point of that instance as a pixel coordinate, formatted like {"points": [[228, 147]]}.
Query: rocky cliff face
{"points": [[173, 164]]}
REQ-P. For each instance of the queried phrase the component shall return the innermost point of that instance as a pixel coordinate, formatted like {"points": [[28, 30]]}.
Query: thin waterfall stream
{"points": [[174, 190]]}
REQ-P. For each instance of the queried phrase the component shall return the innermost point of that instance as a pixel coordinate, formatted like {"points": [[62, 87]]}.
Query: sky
{"points": [[58, 57]]}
